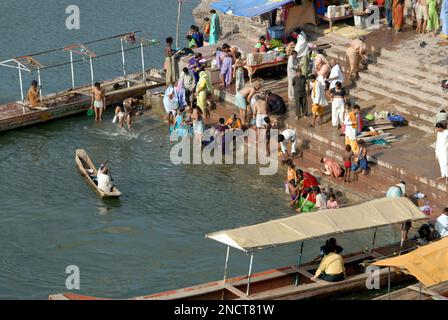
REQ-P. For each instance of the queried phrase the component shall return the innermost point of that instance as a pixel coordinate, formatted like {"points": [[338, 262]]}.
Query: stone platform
{"points": [[409, 86]]}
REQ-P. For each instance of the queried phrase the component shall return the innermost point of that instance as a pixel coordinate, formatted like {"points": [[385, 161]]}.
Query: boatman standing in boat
{"points": [[98, 101], [33, 95], [169, 73]]}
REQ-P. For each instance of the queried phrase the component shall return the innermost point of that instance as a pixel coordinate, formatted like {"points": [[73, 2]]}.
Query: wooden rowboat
{"points": [[295, 282], [74, 101], [88, 171], [278, 284]]}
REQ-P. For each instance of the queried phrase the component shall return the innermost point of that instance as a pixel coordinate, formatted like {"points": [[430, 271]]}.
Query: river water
{"points": [[153, 238]]}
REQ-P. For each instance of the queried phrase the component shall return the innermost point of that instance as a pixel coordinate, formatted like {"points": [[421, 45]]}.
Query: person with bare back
{"points": [[98, 101], [244, 96]]}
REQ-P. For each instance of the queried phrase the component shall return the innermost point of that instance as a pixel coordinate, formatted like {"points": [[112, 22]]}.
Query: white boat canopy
{"points": [[311, 225]]}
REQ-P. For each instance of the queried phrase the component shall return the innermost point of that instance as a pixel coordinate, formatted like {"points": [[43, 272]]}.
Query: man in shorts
{"points": [[98, 101], [422, 16], [260, 112], [244, 96]]}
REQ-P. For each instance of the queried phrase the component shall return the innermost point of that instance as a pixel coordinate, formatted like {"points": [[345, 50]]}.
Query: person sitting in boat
{"points": [[331, 267], [33, 95], [104, 179], [327, 248]]}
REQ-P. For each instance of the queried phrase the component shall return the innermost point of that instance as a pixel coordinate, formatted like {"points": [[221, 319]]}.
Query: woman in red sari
{"points": [[397, 12]]}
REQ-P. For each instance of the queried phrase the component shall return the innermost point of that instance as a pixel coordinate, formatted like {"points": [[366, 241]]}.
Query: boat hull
{"points": [[280, 284], [68, 103]]}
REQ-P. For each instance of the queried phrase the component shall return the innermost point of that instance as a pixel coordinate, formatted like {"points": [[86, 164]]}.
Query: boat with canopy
{"points": [[429, 265], [294, 282]]}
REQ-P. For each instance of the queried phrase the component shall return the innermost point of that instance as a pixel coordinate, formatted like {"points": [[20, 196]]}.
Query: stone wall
{"points": [[229, 24]]}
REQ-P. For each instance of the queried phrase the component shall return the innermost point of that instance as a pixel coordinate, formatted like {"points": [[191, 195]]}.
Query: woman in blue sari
{"points": [[215, 29], [444, 19]]}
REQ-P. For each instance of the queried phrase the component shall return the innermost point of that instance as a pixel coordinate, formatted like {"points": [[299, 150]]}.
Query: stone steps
{"points": [[394, 67], [383, 174], [414, 61], [423, 96], [417, 118]]}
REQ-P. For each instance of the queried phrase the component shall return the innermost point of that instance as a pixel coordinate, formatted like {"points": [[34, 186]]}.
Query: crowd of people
{"points": [[427, 16]]}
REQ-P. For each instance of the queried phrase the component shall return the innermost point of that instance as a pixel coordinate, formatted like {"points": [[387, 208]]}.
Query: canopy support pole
{"points": [[40, 83], [374, 239], [298, 264], [388, 282], [420, 292], [71, 67], [91, 69], [401, 244], [143, 64], [123, 60], [250, 273], [225, 270], [178, 23], [226, 264], [21, 82]]}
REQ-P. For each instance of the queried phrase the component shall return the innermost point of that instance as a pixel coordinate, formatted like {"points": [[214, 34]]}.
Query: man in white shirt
{"points": [[321, 201], [288, 135], [442, 223], [336, 74], [104, 180], [291, 72], [170, 103], [442, 150], [187, 78]]}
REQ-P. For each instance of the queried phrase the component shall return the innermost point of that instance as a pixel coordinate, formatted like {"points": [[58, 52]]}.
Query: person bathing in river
{"points": [[119, 116], [226, 70], [98, 101], [129, 104], [244, 96], [233, 122], [291, 181]]}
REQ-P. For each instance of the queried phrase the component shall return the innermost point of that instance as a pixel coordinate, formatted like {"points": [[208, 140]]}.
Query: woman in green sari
{"points": [[433, 21]]}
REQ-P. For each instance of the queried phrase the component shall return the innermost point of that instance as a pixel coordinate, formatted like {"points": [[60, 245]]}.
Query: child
{"points": [[261, 46], [359, 124], [347, 157], [332, 203]]}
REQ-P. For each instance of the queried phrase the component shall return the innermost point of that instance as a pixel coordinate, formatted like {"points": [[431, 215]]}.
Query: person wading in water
{"points": [[98, 101]]}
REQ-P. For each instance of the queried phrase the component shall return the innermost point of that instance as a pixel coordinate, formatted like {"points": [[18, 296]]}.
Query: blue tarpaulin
{"points": [[248, 8]]}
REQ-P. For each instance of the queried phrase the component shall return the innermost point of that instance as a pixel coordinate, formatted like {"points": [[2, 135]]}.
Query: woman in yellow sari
{"points": [[201, 92]]}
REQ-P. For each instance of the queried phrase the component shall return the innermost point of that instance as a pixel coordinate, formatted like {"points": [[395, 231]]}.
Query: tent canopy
{"points": [[428, 263], [248, 8], [311, 225]]}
